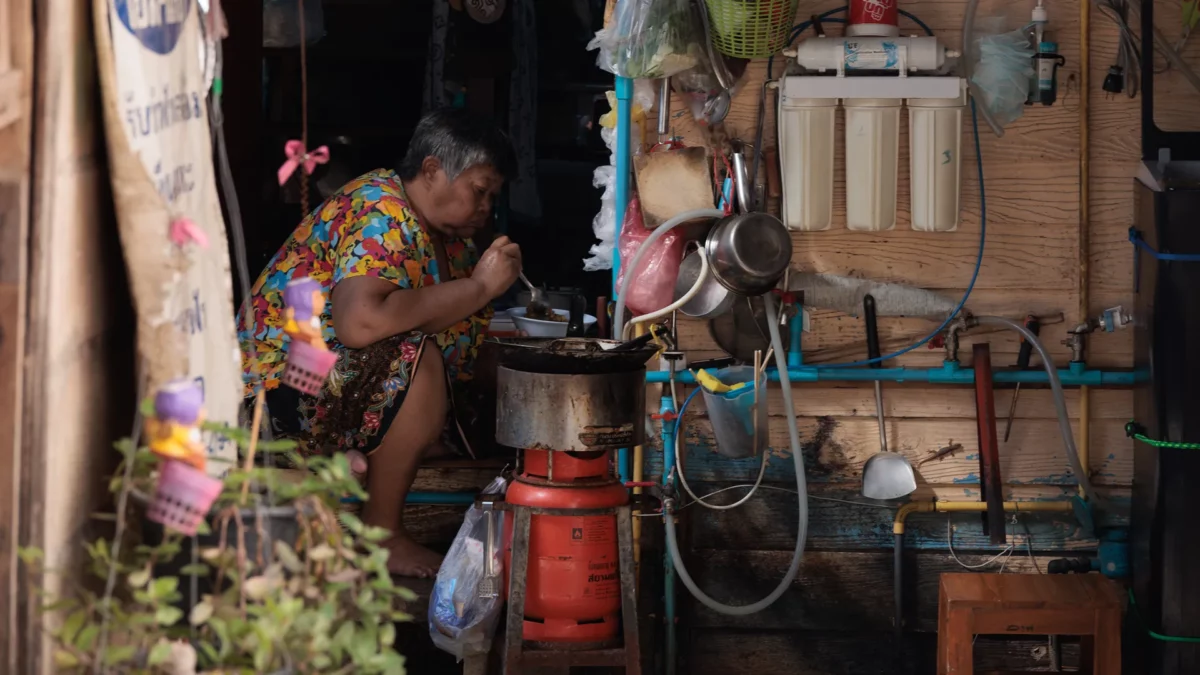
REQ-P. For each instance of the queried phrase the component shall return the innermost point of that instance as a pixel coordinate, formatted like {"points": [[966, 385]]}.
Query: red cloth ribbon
{"points": [[185, 230], [297, 155]]}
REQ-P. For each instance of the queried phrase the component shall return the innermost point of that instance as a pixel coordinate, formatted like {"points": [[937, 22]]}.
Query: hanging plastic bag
{"points": [[462, 613], [653, 284], [1003, 73], [650, 39]]}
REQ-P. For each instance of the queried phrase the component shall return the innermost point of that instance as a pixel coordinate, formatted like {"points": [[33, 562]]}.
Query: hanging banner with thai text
{"points": [[156, 68]]}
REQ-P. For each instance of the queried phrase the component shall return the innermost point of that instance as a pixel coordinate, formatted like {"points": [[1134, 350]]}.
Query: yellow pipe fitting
{"points": [[952, 507]]}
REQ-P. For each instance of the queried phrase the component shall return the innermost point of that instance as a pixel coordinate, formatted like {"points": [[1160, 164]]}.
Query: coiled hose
{"points": [[801, 490], [793, 432]]}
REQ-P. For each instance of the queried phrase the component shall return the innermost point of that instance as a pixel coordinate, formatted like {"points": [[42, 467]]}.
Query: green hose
{"points": [[1135, 431], [1151, 633]]}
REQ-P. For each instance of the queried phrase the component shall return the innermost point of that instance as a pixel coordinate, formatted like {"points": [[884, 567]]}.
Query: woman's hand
{"points": [[499, 267]]}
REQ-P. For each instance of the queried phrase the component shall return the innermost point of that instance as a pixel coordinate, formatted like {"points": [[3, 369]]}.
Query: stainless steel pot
{"points": [[713, 299], [748, 253]]}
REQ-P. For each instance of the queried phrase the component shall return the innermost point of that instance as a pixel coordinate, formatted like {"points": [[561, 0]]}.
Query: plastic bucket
{"points": [[732, 413]]}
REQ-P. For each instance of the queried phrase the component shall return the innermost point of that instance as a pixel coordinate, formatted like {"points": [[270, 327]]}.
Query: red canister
{"points": [[873, 17]]}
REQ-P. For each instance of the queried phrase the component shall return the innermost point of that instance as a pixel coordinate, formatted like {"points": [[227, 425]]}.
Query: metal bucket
{"points": [[570, 412]]}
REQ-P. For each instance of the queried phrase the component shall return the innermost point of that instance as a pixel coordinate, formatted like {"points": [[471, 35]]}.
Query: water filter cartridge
{"points": [[806, 133], [935, 162], [872, 162]]}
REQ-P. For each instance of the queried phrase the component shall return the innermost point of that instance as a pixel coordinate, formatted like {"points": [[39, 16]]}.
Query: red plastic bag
{"points": [[653, 285]]}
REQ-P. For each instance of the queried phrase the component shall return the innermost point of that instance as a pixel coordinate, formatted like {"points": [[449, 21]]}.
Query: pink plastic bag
{"points": [[653, 285]]}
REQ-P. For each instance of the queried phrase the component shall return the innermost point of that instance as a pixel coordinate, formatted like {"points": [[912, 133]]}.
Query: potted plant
{"points": [[278, 581]]}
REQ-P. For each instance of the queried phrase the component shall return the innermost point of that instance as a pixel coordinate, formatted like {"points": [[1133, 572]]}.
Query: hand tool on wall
{"points": [[1023, 356], [991, 488], [886, 475]]}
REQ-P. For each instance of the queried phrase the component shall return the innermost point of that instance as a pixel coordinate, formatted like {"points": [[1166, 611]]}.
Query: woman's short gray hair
{"points": [[459, 139]]}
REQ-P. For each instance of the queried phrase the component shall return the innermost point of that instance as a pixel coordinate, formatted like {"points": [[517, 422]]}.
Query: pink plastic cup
{"points": [[183, 496], [307, 367]]}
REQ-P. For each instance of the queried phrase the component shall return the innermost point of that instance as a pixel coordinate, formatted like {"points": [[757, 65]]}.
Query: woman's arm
{"points": [[368, 309]]}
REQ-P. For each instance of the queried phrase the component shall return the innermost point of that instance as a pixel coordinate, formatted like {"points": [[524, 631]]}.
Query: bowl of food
{"points": [[554, 323]]}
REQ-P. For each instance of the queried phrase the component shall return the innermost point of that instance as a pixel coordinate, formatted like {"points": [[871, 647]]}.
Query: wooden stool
{"points": [[1024, 604]]}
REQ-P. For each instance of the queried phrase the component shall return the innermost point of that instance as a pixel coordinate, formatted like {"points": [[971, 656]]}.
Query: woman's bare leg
{"points": [[393, 465]]}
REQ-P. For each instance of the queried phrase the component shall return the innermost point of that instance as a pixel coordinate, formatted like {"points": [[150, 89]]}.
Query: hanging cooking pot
{"points": [[713, 299], [748, 253]]}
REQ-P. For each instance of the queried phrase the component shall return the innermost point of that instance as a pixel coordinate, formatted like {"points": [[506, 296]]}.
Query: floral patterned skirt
{"points": [[359, 401]]}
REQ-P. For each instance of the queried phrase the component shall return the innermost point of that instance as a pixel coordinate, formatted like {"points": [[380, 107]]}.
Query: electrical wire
{"points": [[1129, 54], [792, 492], [1008, 550]]}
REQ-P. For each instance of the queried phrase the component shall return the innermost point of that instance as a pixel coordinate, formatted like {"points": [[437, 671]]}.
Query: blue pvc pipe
{"points": [[950, 373], [624, 91], [668, 441], [795, 357], [431, 499]]}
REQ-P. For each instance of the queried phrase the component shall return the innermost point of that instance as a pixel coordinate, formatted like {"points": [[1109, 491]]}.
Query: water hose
{"points": [[762, 468], [683, 299], [801, 489], [1060, 403], [632, 265]]}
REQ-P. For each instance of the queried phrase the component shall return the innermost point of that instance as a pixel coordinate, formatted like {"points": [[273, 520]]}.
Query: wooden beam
{"points": [[720, 652], [16, 69]]}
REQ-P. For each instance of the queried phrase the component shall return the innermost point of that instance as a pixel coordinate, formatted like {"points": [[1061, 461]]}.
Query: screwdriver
{"points": [[1032, 323]]}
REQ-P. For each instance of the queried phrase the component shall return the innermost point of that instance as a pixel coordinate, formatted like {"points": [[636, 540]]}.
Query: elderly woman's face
{"points": [[460, 207]]}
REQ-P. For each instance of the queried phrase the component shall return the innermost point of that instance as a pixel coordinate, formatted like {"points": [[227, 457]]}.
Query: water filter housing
{"points": [[872, 53], [935, 162], [872, 162], [806, 133]]}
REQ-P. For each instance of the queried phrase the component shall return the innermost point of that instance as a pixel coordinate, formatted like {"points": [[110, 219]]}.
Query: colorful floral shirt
{"points": [[367, 229]]}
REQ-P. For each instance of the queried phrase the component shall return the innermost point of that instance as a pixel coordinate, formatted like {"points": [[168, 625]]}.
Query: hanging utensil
{"points": [[489, 585], [886, 475]]}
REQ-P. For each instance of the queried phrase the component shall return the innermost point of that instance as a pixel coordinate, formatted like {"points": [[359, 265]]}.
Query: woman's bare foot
{"points": [[410, 559], [358, 464]]}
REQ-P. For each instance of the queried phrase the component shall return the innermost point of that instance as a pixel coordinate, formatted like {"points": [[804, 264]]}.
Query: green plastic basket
{"points": [[750, 29]]}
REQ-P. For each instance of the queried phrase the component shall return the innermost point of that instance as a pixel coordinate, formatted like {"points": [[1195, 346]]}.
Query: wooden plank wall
{"points": [[78, 393], [837, 615]]}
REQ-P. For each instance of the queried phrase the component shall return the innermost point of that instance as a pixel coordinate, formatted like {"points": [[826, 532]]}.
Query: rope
{"points": [[1149, 631], [1135, 238], [303, 175], [1137, 432]]}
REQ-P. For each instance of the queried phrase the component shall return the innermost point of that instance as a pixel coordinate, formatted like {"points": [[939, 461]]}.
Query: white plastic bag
{"points": [[1002, 74], [461, 622]]}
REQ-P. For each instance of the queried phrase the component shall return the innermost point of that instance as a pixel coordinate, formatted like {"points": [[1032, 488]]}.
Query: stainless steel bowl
{"points": [[713, 299], [748, 253]]}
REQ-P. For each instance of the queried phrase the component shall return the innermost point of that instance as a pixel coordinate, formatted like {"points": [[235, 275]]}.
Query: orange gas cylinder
{"points": [[573, 587]]}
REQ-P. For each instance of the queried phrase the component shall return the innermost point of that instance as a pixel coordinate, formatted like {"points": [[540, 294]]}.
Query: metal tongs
{"points": [[489, 586]]}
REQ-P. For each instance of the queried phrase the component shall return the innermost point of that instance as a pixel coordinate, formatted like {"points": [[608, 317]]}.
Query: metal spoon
{"points": [[537, 299]]}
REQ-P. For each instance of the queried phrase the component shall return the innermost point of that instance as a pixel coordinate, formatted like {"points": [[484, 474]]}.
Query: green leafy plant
{"points": [[323, 603]]}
